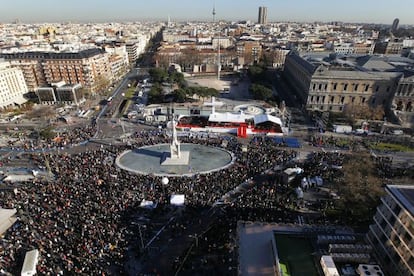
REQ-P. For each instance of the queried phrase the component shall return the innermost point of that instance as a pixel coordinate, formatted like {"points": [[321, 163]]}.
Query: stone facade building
{"points": [[403, 101], [331, 83]]}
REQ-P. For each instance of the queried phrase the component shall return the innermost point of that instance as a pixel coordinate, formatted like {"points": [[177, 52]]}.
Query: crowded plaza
{"points": [[80, 220], [89, 218]]}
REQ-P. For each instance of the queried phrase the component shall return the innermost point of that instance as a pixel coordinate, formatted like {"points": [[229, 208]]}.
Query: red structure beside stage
{"points": [[242, 131]]}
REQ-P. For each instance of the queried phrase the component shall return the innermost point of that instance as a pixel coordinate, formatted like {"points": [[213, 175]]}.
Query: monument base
{"points": [[184, 159]]}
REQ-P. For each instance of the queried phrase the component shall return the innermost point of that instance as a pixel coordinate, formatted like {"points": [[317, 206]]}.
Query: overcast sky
{"points": [[375, 11]]}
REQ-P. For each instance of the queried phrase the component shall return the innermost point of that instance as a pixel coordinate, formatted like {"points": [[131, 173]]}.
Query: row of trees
{"points": [[360, 189], [261, 88], [160, 75], [182, 94], [353, 112]]}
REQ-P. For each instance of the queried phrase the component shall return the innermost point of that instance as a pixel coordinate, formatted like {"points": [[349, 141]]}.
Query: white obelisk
{"points": [[175, 150], [176, 156]]}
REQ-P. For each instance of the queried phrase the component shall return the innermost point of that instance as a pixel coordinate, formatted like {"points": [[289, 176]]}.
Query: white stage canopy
{"points": [[177, 200], [7, 219], [148, 204], [30, 263]]}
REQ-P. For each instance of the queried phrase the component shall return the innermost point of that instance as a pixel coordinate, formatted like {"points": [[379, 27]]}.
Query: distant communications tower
{"points": [[214, 12], [218, 50]]}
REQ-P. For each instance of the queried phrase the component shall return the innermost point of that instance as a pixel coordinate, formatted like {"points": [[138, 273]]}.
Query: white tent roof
{"points": [[329, 264], [19, 100], [290, 171], [177, 200], [229, 117], [18, 177], [258, 119], [6, 219], [148, 204], [30, 263]]}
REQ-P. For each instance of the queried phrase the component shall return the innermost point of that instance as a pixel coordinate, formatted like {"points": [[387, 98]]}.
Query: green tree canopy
{"points": [[47, 133], [158, 74], [155, 94], [261, 92], [180, 95], [176, 77], [256, 73]]}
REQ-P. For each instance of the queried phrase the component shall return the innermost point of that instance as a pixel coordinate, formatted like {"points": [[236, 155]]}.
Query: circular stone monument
{"points": [[150, 160]]}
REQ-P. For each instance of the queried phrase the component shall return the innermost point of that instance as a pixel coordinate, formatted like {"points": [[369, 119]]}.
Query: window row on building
{"points": [[12, 86], [331, 83], [392, 234], [87, 68]]}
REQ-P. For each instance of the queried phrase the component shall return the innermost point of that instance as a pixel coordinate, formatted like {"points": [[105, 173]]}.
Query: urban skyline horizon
{"points": [[300, 11], [121, 21]]}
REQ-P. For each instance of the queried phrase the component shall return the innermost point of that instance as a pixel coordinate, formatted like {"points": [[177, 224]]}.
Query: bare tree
{"points": [[44, 111]]}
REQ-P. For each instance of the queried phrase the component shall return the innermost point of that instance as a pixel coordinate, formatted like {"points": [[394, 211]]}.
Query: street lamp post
{"points": [[195, 237], [164, 182]]}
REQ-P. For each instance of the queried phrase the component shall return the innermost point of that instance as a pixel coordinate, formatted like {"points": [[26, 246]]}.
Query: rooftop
{"points": [[405, 195]]}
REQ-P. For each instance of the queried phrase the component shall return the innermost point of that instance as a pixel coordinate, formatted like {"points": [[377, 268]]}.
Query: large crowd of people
{"points": [[81, 221], [40, 140]]}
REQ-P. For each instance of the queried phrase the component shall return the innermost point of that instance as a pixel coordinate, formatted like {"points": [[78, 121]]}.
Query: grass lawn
{"points": [[391, 147], [295, 254], [130, 93], [284, 270]]}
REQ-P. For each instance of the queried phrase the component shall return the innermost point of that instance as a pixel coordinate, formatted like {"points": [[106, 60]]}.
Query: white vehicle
{"points": [[342, 128]]}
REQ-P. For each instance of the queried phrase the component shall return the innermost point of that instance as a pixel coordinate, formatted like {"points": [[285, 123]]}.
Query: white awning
{"points": [[258, 119], [177, 200], [147, 204], [229, 117], [30, 263], [6, 219], [19, 100], [19, 177]]}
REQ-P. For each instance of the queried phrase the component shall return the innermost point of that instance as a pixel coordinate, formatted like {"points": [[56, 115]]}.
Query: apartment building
{"points": [[88, 67], [344, 48], [354, 48], [118, 66], [60, 93], [224, 42], [172, 36], [32, 70], [250, 51], [278, 57], [118, 49], [392, 234], [366, 48], [391, 47], [12, 86], [394, 47], [329, 83], [135, 48]]}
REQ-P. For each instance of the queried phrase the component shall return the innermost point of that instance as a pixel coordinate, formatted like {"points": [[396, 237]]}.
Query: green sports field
{"points": [[295, 255]]}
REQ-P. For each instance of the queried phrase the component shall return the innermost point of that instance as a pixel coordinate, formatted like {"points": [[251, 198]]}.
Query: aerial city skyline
{"points": [[369, 11]]}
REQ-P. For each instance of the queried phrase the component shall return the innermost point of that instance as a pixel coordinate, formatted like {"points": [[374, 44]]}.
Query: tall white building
{"points": [[12, 85]]}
